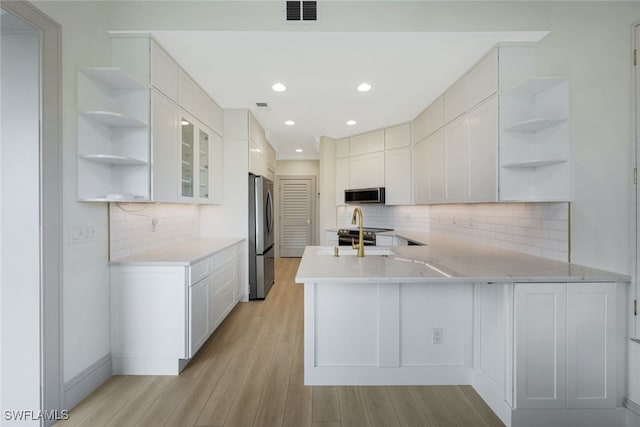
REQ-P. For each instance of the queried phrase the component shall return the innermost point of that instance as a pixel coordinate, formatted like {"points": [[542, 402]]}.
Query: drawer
{"points": [[221, 278], [199, 271], [221, 258]]}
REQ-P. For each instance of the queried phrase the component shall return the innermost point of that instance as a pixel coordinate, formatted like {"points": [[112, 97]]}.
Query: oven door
{"points": [[347, 240]]}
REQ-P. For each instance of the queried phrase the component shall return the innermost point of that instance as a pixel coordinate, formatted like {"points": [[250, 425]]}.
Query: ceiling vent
{"points": [[262, 106], [301, 11]]}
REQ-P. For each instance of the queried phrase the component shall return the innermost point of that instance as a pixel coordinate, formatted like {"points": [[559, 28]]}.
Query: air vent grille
{"points": [[302, 10], [262, 106]]}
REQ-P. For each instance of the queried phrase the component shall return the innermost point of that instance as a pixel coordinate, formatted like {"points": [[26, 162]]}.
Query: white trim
{"points": [[83, 384]]}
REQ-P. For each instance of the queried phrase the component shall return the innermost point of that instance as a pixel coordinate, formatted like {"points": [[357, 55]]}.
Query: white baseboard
{"points": [[83, 384], [615, 417]]}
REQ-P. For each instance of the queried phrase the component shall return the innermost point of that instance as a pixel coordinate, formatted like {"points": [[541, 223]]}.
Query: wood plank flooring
{"points": [[250, 373]]}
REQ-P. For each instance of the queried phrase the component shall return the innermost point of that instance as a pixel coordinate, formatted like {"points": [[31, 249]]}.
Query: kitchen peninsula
{"points": [[516, 327]]}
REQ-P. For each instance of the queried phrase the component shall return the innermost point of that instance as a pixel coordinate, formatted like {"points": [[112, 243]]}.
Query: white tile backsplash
{"points": [[132, 230], [533, 228]]}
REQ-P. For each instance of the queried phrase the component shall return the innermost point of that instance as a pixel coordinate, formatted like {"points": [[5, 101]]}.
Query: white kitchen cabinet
{"points": [[187, 89], [397, 136], [455, 160], [163, 71], [430, 120], [162, 314], [165, 134], [199, 315], [369, 142], [397, 176], [435, 170], [482, 80], [217, 169], [342, 148], [455, 100], [113, 136], [556, 326], [540, 334], [262, 156], [366, 170], [342, 179], [482, 124], [204, 109], [420, 173], [217, 119]]}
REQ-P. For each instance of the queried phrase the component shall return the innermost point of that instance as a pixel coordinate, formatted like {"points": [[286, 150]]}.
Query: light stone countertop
{"points": [[179, 254], [443, 259]]}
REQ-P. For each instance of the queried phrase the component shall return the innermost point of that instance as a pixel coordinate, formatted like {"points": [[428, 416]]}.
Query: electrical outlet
{"points": [[81, 233], [437, 335]]}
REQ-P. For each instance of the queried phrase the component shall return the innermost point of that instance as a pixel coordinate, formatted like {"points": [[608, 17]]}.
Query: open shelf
{"points": [[113, 160], [534, 125], [113, 119], [533, 164], [534, 86], [113, 77]]}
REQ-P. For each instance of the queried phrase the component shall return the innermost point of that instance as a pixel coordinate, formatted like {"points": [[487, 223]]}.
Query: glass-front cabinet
{"points": [[200, 164], [204, 148], [187, 158]]}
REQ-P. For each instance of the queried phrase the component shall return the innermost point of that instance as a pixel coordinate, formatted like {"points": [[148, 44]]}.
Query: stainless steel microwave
{"points": [[364, 195]]}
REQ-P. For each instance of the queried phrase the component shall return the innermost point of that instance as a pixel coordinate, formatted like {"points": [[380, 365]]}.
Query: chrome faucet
{"points": [[360, 245]]}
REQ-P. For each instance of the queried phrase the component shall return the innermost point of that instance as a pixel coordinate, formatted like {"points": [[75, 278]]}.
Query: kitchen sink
{"points": [[368, 251]]}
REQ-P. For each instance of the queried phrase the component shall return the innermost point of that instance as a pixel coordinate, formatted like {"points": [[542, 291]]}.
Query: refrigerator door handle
{"points": [[269, 212]]}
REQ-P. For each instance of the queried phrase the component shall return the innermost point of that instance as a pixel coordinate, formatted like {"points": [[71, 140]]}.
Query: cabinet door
{"points": [[204, 107], [540, 333], [366, 143], [591, 362], [455, 156], [198, 315], [187, 89], [397, 136], [455, 100], [188, 157], [357, 172], [482, 123], [164, 72], [435, 169], [342, 179], [482, 81], [216, 119], [375, 170], [420, 170], [397, 170], [217, 169], [342, 148], [204, 164], [430, 120], [164, 141]]}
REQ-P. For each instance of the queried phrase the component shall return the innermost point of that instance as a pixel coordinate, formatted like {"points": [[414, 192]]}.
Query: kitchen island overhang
{"points": [[511, 325]]}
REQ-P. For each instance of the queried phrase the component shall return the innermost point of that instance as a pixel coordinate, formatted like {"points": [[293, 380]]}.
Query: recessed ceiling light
{"points": [[364, 87], [351, 122], [279, 87], [298, 150], [289, 123]]}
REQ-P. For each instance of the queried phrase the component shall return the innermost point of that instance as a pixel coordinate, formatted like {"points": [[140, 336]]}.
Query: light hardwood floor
{"points": [[250, 373]]}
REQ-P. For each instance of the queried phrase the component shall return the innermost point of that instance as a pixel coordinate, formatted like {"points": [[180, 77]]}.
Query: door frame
{"points": [[634, 331], [51, 347], [314, 205]]}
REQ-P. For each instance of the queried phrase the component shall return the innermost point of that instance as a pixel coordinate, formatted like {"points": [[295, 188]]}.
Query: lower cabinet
{"points": [[162, 315], [545, 346]]}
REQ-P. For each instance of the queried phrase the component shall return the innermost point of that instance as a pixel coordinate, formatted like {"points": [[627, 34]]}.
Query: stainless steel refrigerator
{"points": [[261, 236]]}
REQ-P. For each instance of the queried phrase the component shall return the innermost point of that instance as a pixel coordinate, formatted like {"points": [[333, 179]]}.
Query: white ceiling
{"points": [[321, 71]]}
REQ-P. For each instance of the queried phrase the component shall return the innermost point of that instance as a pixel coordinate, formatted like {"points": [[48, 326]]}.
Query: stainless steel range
{"points": [[348, 235]]}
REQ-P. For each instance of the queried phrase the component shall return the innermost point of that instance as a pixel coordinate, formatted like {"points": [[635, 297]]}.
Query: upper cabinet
{"points": [[146, 130], [113, 136], [365, 143], [498, 106], [262, 156]]}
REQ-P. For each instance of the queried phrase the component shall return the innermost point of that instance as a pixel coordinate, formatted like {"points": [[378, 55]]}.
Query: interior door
{"points": [[296, 215]]}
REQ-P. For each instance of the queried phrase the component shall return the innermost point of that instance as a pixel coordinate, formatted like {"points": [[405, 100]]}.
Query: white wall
{"points": [[86, 330], [19, 231]]}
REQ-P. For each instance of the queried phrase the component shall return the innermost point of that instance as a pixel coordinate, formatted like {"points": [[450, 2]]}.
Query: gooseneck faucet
{"points": [[360, 245]]}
